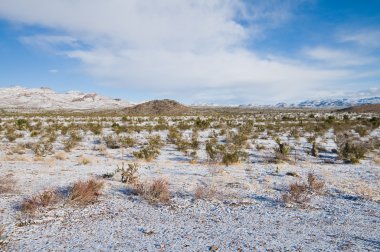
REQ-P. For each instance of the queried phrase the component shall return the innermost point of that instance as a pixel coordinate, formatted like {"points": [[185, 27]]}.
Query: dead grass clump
{"points": [[61, 155], [85, 192], [204, 192], [29, 205], [44, 199], [7, 184], [84, 160], [298, 193], [301, 193], [47, 198], [156, 191], [315, 185]]}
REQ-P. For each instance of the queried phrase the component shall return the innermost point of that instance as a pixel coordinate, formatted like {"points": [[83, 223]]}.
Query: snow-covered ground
{"points": [[245, 214]]}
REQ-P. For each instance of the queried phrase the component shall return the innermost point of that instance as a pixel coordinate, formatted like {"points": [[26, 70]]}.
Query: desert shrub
{"points": [[294, 132], [96, 129], [129, 175], [29, 205], [112, 142], [374, 122], [43, 199], [201, 124], [2, 237], [11, 134], [204, 192], [301, 193], [233, 157], [183, 145], [351, 149], [260, 147], [19, 149], [314, 184], [22, 124], [85, 192], [47, 198], [156, 191], [61, 155], [155, 141], [127, 141], [239, 139], [42, 148], [151, 150], [362, 131], [7, 184], [34, 133], [314, 150], [84, 160], [353, 152], [173, 135], [194, 140], [211, 150], [282, 151], [148, 153], [183, 125], [298, 193], [72, 141]]}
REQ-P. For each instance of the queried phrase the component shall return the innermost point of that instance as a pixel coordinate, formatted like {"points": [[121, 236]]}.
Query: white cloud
{"points": [[50, 42], [366, 38], [53, 71], [178, 48], [334, 57]]}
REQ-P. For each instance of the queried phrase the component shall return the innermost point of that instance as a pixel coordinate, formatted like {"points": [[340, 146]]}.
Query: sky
{"points": [[194, 51]]}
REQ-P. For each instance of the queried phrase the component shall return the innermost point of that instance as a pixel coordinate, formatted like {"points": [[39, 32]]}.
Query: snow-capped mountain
{"points": [[322, 103], [47, 99], [343, 102]]}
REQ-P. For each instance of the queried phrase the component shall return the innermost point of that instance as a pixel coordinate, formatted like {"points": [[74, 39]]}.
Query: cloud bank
{"points": [[195, 51]]}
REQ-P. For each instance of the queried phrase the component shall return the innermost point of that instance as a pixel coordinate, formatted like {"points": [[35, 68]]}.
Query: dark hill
{"points": [[158, 107], [369, 108]]}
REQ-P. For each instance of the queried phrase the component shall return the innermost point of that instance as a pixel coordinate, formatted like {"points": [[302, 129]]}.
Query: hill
{"points": [[158, 107], [369, 108]]}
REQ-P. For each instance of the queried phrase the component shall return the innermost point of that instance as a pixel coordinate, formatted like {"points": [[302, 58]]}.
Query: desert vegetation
{"points": [[91, 165]]}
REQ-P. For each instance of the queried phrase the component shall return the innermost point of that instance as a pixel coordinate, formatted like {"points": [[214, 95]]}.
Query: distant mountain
{"points": [[322, 103], [333, 103], [18, 98]]}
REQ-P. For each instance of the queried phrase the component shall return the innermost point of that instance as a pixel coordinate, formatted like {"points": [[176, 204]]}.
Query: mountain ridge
{"points": [[47, 99]]}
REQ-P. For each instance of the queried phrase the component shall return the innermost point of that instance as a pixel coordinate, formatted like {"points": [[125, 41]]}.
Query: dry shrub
{"points": [[85, 192], [7, 184], [315, 185], [156, 191], [204, 192], [47, 198], [16, 158], [2, 238], [298, 193], [84, 160], [44, 199], [29, 205], [129, 175], [103, 150], [301, 193], [61, 155]]}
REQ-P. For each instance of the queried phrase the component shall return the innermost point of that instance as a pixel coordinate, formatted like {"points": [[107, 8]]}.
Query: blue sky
{"points": [[216, 51]]}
